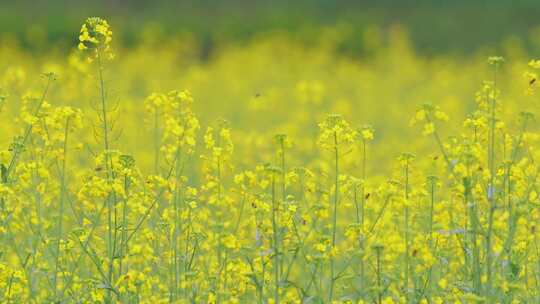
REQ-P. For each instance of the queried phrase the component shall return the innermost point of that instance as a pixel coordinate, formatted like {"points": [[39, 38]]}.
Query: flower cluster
{"points": [[96, 36]]}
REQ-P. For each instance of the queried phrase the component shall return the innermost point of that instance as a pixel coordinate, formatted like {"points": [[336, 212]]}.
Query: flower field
{"points": [[272, 172]]}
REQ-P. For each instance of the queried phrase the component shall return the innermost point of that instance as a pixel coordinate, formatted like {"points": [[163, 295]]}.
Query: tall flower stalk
{"points": [[366, 135], [405, 160], [72, 119], [95, 38], [335, 134], [491, 190]]}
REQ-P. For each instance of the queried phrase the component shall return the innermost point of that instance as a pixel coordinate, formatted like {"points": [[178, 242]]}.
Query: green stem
{"points": [[407, 262], [362, 218], [111, 198], [378, 251], [334, 217], [491, 188], [176, 231], [283, 192], [157, 143], [61, 209], [275, 240], [473, 219], [124, 243], [431, 246]]}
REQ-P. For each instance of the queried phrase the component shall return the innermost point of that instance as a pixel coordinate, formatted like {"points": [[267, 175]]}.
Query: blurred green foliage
{"points": [[436, 27]]}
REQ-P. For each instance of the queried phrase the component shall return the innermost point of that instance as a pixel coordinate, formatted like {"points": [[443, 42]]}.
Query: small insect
{"points": [[368, 195], [532, 81]]}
